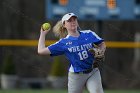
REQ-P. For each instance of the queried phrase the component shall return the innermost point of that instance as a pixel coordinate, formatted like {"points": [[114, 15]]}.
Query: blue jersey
{"points": [[76, 49]]}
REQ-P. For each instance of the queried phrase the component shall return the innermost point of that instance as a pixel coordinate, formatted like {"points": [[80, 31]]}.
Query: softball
{"points": [[46, 26]]}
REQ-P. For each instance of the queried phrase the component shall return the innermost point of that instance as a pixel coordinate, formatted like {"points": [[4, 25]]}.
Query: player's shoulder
{"points": [[87, 31], [63, 40], [60, 40]]}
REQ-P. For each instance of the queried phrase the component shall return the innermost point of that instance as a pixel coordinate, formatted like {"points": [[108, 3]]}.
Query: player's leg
{"points": [[76, 82], [94, 84]]}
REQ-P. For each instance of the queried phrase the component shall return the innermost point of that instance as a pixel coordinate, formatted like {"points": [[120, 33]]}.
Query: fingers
{"points": [[44, 31]]}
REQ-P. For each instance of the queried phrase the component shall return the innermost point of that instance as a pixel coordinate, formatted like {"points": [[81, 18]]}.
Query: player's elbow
{"points": [[44, 51], [40, 52]]}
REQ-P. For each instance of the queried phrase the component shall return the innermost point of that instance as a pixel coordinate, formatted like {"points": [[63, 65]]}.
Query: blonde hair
{"points": [[59, 30]]}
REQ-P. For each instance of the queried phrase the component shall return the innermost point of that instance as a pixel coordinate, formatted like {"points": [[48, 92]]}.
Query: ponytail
{"points": [[59, 30]]}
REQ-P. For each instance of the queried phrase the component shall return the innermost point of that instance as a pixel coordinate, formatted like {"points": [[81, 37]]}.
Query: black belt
{"points": [[85, 72]]}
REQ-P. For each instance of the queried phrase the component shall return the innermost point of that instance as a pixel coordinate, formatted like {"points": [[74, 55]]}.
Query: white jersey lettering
{"points": [[80, 48]]}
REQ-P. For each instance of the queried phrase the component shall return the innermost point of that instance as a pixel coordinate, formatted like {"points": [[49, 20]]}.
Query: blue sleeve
{"points": [[56, 49], [97, 39]]}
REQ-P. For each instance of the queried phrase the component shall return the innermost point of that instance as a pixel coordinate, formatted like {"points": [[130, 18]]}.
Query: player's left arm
{"points": [[99, 50]]}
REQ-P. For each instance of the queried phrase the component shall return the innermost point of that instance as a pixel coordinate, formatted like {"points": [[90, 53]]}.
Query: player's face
{"points": [[71, 24]]}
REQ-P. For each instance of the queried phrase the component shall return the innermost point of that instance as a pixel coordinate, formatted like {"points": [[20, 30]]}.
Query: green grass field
{"points": [[64, 91]]}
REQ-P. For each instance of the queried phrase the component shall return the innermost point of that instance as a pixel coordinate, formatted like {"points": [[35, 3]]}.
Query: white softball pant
{"points": [[92, 81]]}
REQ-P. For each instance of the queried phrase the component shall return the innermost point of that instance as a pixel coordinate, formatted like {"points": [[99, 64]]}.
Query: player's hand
{"points": [[44, 31], [98, 53]]}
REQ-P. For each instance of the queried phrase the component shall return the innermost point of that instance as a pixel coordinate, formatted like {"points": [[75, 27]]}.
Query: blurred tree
{"points": [[58, 68], [8, 65]]}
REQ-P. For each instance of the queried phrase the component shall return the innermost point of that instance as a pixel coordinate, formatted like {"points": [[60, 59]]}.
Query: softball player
{"points": [[75, 45]]}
